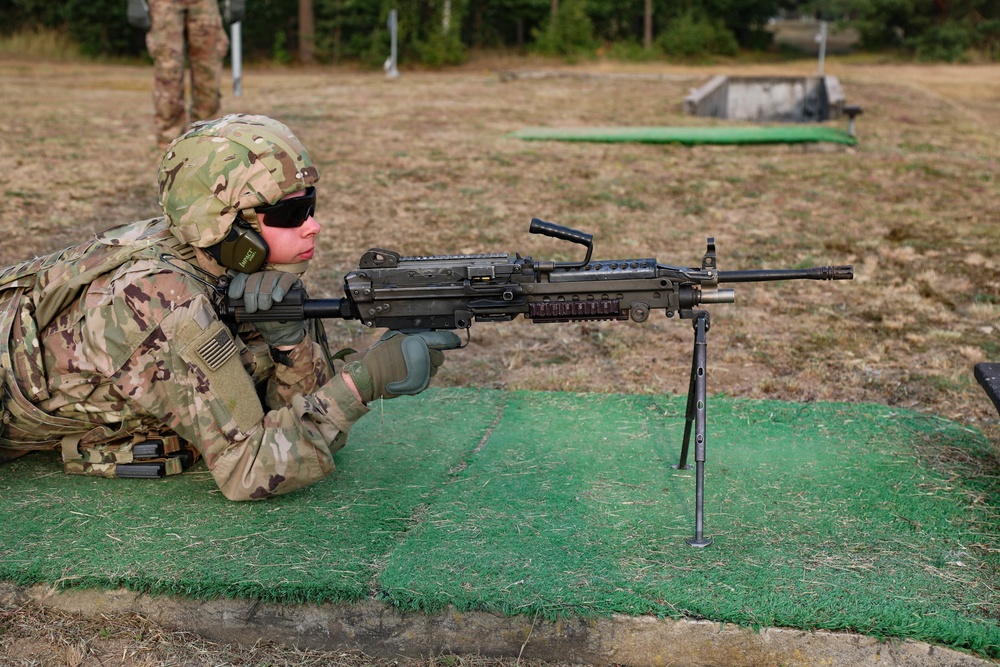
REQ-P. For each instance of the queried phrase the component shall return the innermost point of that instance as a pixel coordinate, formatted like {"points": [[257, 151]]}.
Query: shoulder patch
{"points": [[218, 349]]}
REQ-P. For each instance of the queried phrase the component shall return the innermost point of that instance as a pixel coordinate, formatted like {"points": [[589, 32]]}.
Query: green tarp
{"points": [[784, 134]]}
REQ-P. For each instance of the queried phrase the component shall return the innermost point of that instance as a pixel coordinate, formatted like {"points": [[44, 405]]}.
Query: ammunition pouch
{"points": [[139, 457]]}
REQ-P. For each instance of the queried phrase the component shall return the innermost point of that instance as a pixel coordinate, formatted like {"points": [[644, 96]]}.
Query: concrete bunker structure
{"points": [[807, 99]]}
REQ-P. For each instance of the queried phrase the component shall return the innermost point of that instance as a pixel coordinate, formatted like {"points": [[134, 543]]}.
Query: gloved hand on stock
{"points": [[261, 290], [400, 364]]}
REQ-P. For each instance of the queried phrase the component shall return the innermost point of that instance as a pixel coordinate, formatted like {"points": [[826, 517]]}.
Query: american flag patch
{"points": [[217, 349]]}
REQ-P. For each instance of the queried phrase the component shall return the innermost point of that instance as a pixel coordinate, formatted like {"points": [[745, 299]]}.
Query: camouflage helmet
{"points": [[226, 165]]}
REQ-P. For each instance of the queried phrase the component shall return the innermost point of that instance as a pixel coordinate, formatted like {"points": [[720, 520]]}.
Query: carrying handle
{"points": [[555, 231]]}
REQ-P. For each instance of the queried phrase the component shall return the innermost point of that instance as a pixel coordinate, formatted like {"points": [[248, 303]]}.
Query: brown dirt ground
{"points": [[422, 165]]}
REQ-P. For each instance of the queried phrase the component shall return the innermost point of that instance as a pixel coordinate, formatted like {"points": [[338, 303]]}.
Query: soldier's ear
{"points": [[243, 249]]}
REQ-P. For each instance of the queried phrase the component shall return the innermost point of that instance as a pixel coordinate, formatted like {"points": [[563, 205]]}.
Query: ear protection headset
{"points": [[243, 249]]}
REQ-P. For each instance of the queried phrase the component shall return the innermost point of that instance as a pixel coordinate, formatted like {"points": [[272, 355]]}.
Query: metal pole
{"points": [[821, 39], [390, 64], [236, 44]]}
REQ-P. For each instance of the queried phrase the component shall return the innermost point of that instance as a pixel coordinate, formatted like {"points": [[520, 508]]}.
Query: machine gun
{"points": [[453, 291]]}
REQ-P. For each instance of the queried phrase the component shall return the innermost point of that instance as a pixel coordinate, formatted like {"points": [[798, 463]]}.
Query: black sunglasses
{"points": [[289, 212]]}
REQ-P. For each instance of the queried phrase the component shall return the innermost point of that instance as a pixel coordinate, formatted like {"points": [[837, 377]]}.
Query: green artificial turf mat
{"points": [[181, 536], [784, 134], [825, 516]]}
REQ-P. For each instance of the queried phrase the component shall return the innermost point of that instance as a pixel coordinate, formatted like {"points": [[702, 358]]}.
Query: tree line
{"points": [[442, 32]]}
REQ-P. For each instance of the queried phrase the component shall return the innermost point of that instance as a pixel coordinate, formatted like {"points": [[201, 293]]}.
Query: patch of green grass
{"points": [[941, 382], [983, 297], [500, 160], [622, 201], [926, 169], [40, 44], [922, 147]]}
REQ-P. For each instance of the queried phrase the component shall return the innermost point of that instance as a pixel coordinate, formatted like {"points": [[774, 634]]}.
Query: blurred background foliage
{"points": [[443, 32]]}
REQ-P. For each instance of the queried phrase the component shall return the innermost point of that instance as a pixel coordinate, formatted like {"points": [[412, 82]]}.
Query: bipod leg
{"points": [[689, 411], [701, 324]]}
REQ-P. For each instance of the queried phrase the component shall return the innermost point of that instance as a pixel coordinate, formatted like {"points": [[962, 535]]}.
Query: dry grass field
{"points": [[422, 165]]}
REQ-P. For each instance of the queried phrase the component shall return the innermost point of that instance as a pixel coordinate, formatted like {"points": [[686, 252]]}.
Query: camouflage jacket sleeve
{"points": [[307, 372], [171, 358]]}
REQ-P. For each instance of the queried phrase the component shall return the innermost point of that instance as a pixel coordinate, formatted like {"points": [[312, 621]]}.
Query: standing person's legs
{"points": [[207, 47], [165, 42]]}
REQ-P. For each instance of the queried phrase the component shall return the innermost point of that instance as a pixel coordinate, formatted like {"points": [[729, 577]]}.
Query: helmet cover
{"points": [[220, 167]]}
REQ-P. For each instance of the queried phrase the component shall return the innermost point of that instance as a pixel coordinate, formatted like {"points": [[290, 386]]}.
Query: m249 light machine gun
{"points": [[451, 292]]}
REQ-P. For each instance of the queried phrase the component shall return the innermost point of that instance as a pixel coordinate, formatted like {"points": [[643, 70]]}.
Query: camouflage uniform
{"points": [[113, 340], [207, 43]]}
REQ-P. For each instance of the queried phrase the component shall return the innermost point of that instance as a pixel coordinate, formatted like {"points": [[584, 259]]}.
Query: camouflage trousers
{"points": [[196, 24]]}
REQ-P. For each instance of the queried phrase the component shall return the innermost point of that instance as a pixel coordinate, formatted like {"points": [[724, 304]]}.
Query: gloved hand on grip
{"points": [[261, 290], [282, 334], [400, 364]]}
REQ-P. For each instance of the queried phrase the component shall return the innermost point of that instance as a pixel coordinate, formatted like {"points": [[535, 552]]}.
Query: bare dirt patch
{"points": [[34, 636], [422, 165]]}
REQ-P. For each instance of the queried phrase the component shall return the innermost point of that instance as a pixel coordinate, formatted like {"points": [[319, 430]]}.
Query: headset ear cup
{"points": [[243, 249]]}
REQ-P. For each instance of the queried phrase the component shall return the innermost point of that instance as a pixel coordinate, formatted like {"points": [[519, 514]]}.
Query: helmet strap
{"points": [[298, 268], [249, 215]]}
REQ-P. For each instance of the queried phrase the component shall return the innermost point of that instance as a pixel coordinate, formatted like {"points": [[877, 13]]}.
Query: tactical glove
{"points": [[282, 334], [263, 289], [400, 364]]}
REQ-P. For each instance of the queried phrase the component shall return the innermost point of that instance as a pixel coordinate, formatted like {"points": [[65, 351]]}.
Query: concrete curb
{"points": [[382, 631]]}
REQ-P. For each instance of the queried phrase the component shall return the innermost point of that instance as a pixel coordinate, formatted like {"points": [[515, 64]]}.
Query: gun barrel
{"points": [[765, 275], [327, 308]]}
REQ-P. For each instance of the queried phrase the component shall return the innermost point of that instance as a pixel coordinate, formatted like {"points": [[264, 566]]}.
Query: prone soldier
{"points": [[113, 351]]}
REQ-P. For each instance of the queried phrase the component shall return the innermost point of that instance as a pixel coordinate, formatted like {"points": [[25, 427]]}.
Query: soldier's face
{"points": [[289, 245]]}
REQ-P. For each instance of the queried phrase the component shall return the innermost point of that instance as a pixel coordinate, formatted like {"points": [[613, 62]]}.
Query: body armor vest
{"points": [[32, 294]]}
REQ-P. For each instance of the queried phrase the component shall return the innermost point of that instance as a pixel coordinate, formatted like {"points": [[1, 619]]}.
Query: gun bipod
{"points": [[695, 414]]}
